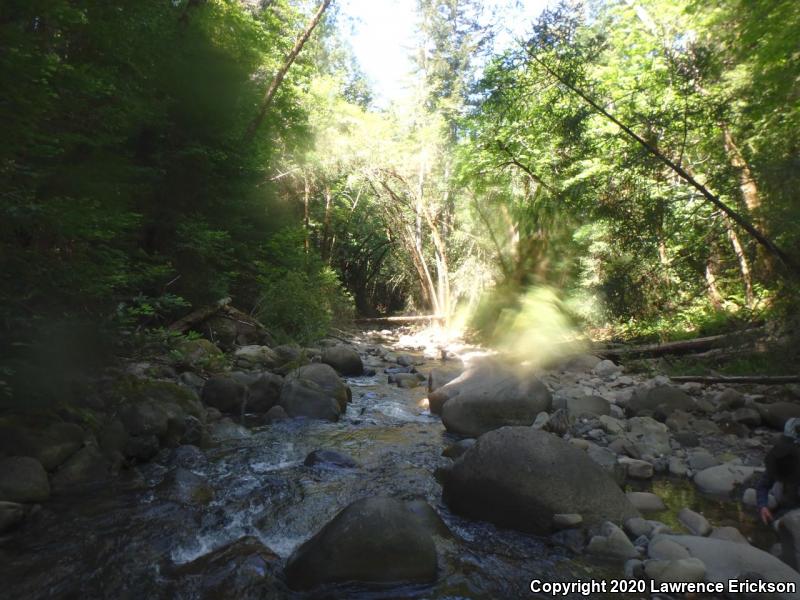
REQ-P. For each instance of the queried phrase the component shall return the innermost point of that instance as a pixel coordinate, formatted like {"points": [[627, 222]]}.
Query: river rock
{"points": [[11, 514], [747, 415], [407, 380], [566, 520], [456, 450], [440, 377], [789, 534], [646, 501], [200, 355], [225, 394], [730, 534], [314, 391], [647, 438], [696, 523], [374, 540], [329, 458], [663, 547], [87, 466], [264, 393], [729, 560], [144, 418], [776, 414], [257, 357], [344, 359], [729, 399], [520, 477], [276, 413], [244, 568], [683, 570], [612, 543], [228, 430], [636, 469], [324, 376], [23, 479], [584, 405], [57, 443], [489, 396], [660, 401], [606, 369], [701, 459], [611, 425], [186, 487], [722, 479]]}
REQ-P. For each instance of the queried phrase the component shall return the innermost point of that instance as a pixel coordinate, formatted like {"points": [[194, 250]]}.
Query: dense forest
{"points": [[265, 329], [639, 158]]}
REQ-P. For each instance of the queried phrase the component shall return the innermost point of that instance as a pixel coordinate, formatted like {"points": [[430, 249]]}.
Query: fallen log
{"points": [[399, 319], [681, 347], [196, 316], [764, 379]]}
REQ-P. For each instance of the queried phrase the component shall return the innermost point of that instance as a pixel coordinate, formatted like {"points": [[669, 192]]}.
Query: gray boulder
{"points": [[726, 560], [459, 448], [612, 543], [520, 477], [722, 479], [646, 438], [696, 523], [257, 357], [789, 534], [584, 405], [660, 401], [490, 396], [87, 466], [23, 479], [264, 393], [344, 359], [373, 541], [646, 501], [325, 377], [314, 391], [683, 570], [224, 393], [185, 487], [439, 377], [776, 414]]}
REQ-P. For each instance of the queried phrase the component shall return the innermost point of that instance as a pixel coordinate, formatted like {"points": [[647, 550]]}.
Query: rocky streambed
{"points": [[281, 480]]}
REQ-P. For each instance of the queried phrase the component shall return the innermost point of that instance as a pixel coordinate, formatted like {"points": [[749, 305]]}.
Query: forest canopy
{"points": [[637, 157]]}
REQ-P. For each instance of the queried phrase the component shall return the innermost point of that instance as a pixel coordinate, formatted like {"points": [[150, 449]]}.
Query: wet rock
{"points": [[696, 523], [612, 543], [344, 359], [276, 413], [141, 447], [228, 430], [661, 401], [573, 540], [194, 432], [729, 560], [23, 479], [684, 570], [730, 534], [329, 458], [11, 514], [188, 457], [326, 378], [241, 569], [407, 360], [225, 394], [183, 486], [407, 380], [86, 466], [257, 357], [304, 398], [460, 447], [646, 501], [264, 393], [789, 534], [488, 396], [520, 477], [288, 353], [373, 541], [775, 415], [722, 479]]}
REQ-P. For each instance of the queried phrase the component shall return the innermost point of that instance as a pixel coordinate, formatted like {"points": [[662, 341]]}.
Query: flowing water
{"points": [[125, 540]]}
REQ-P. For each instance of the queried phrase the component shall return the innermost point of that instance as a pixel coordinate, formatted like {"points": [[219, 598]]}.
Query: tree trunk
{"points": [[326, 225], [276, 81], [744, 264], [711, 282], [306, 219]]}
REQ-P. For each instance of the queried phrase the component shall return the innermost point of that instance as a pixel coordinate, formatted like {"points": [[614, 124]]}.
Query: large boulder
{"points": [[646, 438], [323, 377], [224, 393], [660, 401], [50, 445], [88, 465], [200, 355], [520, 477], [375, 540], [489, 396], [789, 533], [257, 357], [725, 560], [264, 393], [23, 479], [722, 479], [244, 568], [439, 377], [344, 359]]}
